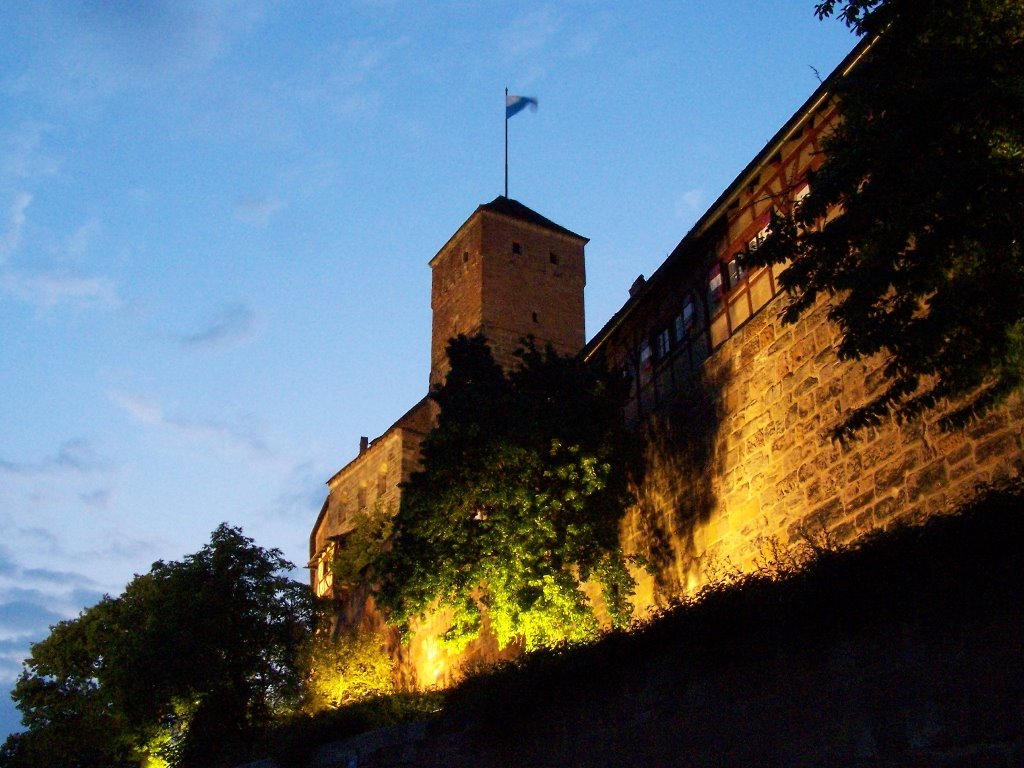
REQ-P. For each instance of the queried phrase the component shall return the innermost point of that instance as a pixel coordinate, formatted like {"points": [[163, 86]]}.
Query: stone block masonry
{"points": [[765, 477]]}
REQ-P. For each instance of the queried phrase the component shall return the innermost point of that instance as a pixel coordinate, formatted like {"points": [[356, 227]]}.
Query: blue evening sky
{"points": [[216, 217]]}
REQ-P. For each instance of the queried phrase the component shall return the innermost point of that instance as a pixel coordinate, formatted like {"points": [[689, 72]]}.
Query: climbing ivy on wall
{"points": [[518, 503], [370, 531]]}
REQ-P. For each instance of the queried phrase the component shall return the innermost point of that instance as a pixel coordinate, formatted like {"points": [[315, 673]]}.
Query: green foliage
{"points": [[345, 670], [924, 261], [181, 668], [360, 548], [522, 489]]}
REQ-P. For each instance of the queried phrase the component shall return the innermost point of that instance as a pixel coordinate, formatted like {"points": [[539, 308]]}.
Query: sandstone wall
{"points": [[456, 294], [741, 467], [533, 285]]}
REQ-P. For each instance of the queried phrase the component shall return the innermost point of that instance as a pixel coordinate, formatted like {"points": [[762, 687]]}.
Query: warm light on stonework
{"points": [[433, 666]]}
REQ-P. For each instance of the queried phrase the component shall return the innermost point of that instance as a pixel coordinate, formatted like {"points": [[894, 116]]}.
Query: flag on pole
{"points": [[516, 104]]}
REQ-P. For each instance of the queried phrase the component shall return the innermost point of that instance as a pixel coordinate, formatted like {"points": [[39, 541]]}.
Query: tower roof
{"points": [[513, 209], [506, 206]]}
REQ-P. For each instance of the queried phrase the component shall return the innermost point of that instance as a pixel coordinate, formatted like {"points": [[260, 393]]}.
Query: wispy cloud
{"points": [[545, 39], [39, 539], [47, 575], [32, 599], [257, 210], [147, 412], [79, 454], [99, 498], [20, 616], [49, 290], [303, 492], [76, 455], [13, 224], [363, 58], [123, 547], [232, 325], [77, 244], [21, 153], [345, 77], [140, 409], [107, 47], [12, 651]]}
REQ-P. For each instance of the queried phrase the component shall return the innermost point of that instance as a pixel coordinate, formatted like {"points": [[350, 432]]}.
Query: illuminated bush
{"points": [[346, 670]]}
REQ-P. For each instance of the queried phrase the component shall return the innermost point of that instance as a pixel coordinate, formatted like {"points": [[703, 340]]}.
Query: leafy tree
{"points": [[181, 668], [69, 719], [518, 502], [914, 224]]}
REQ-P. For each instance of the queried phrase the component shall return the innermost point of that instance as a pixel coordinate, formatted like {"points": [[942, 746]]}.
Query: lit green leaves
{"points": [[518, 503]]}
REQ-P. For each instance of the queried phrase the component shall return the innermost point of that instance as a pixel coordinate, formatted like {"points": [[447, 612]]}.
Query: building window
{"points": [[686, 320], [553, 258], [361, 498], [516, 247], [661, 345], [716, 288], [324, 574], [645, 359], [736, 271], [382, 484], [762, 233]]}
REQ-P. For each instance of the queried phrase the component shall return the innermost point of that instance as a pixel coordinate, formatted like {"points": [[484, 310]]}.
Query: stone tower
{"points": [[508, 273]]}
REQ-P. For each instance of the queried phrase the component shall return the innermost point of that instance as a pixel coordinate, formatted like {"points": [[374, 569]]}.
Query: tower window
{"points": [[553, 257], [465, 256], [535, 318], [516, 247]]}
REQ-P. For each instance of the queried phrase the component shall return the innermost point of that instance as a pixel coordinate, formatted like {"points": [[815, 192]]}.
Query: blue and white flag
{"points": [[516, 104]]}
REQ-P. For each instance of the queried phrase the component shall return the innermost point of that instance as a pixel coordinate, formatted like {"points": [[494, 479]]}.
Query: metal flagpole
{"points": [[506, 142]]}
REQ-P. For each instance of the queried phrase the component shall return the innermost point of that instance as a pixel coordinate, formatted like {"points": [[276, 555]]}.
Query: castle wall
{"points": [[369, 481], [735, 407], [742, 463]]}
